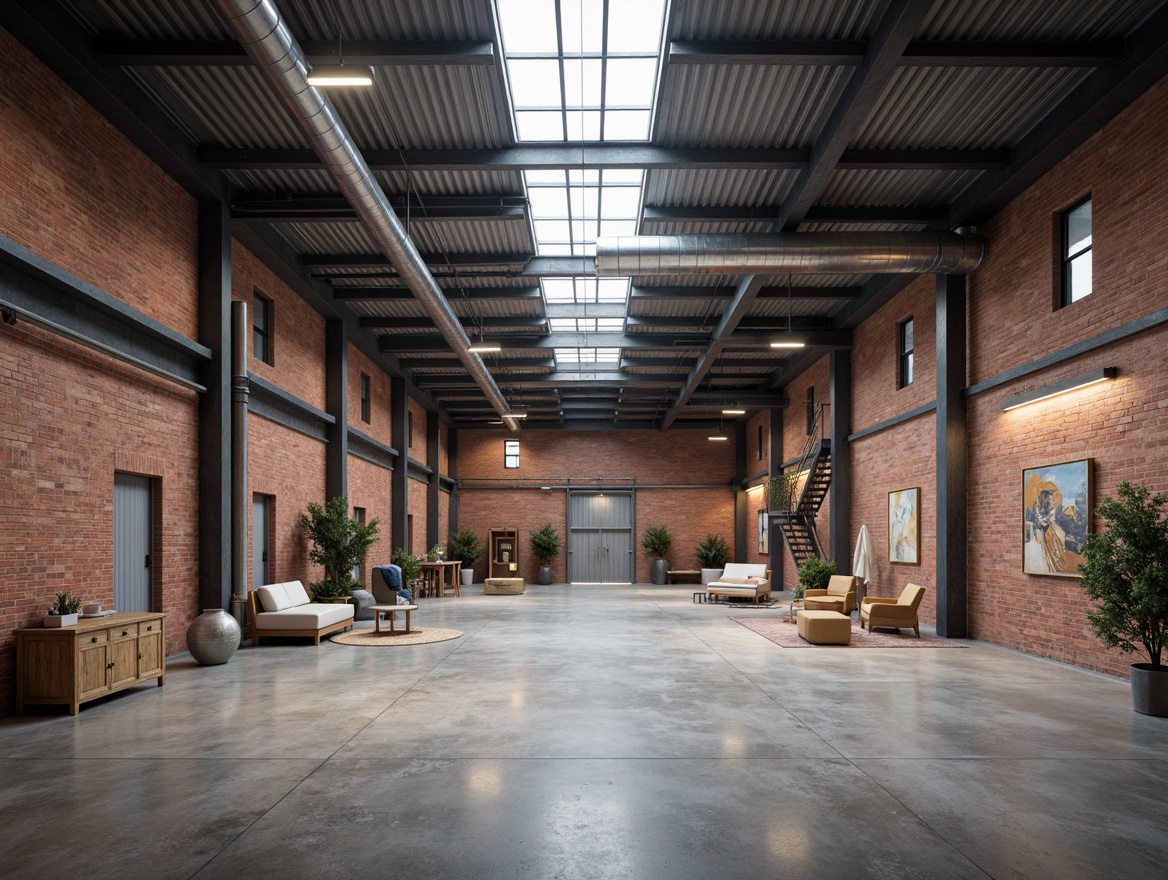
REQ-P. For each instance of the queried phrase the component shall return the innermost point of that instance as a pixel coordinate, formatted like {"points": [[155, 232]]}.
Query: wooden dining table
{"points": [[434, 575]]}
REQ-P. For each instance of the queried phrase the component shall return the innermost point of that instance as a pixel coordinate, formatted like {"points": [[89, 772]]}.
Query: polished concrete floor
{"points": [[579, 732]]}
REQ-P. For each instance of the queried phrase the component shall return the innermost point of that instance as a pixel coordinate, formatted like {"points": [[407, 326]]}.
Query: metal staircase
{"points": [[797, 494]]}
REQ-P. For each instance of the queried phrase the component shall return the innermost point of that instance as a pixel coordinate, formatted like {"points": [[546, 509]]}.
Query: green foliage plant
{"points": [[339, 544], [465, 547], [1126, 573], [814, 574], [410, 565], [65, 604], [435, 553], [545, 543], [656, 542], [712, 552]]}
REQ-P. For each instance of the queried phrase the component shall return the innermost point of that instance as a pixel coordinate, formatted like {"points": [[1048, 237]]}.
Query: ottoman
{"points": [[503, 586], [825, 627]]}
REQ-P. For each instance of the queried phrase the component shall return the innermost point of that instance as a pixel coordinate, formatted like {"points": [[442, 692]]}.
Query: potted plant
{"points": [[712, 554], [339, 543], [437, 553], [656, 543], [410, 565], [545, 546], [63, 612], [466, 548], [814, 574], [1126, 575]]}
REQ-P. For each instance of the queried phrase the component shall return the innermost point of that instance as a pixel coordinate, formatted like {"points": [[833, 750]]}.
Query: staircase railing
{"points": [[783, 491]]}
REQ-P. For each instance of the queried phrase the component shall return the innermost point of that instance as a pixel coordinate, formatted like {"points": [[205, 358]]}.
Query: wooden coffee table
{"points": [[390, 610]]}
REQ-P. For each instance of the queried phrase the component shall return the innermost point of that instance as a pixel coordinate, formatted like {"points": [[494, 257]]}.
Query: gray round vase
{"points": [[545, 574], [213, 637], [659, 571]]}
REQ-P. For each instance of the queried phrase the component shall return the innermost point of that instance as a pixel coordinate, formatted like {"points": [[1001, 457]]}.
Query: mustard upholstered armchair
{"points": [[899, 612], [840, 595]]}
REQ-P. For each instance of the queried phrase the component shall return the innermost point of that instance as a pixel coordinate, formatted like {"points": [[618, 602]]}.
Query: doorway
{"points": [[261, 520], [600, 537], [133, 542]]}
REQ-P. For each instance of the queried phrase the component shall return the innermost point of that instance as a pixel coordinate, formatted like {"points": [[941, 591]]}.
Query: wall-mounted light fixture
{"points": [[1066, 385]]}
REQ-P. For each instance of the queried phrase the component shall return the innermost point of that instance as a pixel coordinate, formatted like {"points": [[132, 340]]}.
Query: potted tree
{"points": [[339, 543], [814, 574], [656, 543], [545, 546], [1126, 575], [411, 568], [466, 548], [63, 611], [712, 554]]}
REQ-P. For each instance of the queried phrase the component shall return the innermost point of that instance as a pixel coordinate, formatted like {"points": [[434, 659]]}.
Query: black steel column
{"points": [[336, 396], [952, 445], [215, 549], [775, 468], [433, 442], [841, 460], [399, 407], [741, 548]]}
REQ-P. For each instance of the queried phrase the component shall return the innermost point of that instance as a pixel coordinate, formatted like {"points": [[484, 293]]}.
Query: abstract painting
{"points": [[904, 527], [1056, 515]]}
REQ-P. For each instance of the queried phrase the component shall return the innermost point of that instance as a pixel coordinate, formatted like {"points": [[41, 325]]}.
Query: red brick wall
{"points": [[416, 504], [72, 418], [689, 514], [1123, 425], [370, 487], [298, 331], [380, 424], [76, 192], [289, 466], [444, 450], [417, 440], [794, 441], [522, 509]]}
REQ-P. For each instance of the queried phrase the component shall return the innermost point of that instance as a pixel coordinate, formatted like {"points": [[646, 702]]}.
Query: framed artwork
{"points": [[904, 527], [1056, 516], [764, 530]]}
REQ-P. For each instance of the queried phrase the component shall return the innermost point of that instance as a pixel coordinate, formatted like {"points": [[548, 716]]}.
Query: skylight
{"points": [[571, 208], [577, 358], [586, 290]]}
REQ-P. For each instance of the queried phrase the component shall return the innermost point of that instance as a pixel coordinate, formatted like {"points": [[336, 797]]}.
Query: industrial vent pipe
{"points": [[268, 42], [844, 253]]}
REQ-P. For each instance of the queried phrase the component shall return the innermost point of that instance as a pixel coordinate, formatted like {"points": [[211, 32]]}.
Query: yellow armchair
{"points": [[899, 612], [840, 595]]}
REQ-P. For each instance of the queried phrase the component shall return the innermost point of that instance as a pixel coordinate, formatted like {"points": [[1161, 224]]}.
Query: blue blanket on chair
{"points": [[392, 576]]}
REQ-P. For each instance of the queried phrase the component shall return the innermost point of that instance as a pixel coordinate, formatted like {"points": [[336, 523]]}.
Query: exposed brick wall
{"points": [[818, 376], [416, 504], [380, 424], [689, 514], [72, 418], [298, 331], [757, 455], [522, 509], [289, 466], [370, 487], [417, 437], [444, 519], [76, 192]]}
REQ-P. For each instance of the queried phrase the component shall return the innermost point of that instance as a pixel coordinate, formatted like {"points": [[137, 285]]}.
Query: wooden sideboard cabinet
{"points": [[71, 665]]}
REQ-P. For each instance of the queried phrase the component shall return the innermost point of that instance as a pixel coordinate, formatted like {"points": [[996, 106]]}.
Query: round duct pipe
{"points": [[843, 253]]}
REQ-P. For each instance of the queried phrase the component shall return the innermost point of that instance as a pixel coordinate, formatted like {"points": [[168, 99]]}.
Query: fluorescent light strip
{"points": [[1064, 387], [792, 343], [329, 75]]}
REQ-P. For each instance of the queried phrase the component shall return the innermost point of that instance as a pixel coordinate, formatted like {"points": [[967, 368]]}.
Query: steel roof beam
{"points": [[454, 294], [331, 209], [122, 52], [643, 294], [516, 265], [381, 322], [826, 213]]}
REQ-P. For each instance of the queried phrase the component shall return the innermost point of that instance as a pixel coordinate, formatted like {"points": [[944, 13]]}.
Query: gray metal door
{"points": [[259, 541], [600, 537], [133, 543]]}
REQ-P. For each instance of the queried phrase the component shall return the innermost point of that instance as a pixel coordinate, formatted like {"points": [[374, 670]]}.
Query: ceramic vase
{"points": [[213, 637]]}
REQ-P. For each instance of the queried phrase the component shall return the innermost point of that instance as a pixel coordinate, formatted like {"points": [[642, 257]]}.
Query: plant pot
{"points": [[659, 571], [213, 637], [545, 575], [60, 620], [709, 575], [466, 575], [1149, 689]]}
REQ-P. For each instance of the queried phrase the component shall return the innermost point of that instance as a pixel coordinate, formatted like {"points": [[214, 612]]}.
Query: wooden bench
{"points": [[683, 576]]}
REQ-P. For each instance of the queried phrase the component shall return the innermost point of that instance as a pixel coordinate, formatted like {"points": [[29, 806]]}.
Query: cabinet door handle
{"points": [[139, 656], [93, 641], [124, 631], [150, 628]]}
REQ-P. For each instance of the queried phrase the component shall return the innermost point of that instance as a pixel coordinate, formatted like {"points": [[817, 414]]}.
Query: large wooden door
{"points": [[600, 537]]}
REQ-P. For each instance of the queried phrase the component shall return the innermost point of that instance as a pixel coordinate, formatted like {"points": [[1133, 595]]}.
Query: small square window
{"points": [[905, 350], [511, 454], [261, 337], [1076, 252], [365, 404]]}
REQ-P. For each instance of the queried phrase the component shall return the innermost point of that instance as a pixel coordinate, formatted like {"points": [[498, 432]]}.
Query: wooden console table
{"points": [[71, 665]]}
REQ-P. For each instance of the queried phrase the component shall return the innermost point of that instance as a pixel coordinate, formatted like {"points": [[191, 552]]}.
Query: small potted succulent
{"points": [[656, 543], [64, 611], [712, 554], [545, 546]]}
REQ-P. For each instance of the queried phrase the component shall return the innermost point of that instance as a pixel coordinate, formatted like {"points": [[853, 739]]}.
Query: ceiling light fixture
{"points": [[1065, 386], [483, 346], [789, 341], [333, 75], [733, 411]]}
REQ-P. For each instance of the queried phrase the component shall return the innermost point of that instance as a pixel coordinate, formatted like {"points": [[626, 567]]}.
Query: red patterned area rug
{"points": [[783, 633]]}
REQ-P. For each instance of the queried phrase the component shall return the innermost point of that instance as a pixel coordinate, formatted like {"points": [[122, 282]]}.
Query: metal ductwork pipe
{"points": [[240, 390], [268, 42], [797, 253]]}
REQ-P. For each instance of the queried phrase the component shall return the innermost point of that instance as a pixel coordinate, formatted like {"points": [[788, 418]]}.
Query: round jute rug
{"points": [[368, 638]]}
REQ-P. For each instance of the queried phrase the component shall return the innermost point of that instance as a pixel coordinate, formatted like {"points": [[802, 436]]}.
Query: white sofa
{"points": [[742, 580], [287, 610]]}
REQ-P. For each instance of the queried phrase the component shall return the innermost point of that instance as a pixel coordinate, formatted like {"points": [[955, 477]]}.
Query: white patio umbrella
{"points": [[864, 560]]}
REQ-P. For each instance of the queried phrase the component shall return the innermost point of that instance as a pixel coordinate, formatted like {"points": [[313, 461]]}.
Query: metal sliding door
{"points": [[133, 543], [260, 567], [600, 537]]}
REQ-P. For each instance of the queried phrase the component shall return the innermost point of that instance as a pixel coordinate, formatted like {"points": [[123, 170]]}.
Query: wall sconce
{"points": [[1066, 385]]}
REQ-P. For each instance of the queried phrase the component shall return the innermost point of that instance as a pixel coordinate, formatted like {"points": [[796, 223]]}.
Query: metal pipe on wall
{"points": [[841, 253], [240, 389]]}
